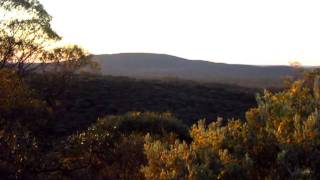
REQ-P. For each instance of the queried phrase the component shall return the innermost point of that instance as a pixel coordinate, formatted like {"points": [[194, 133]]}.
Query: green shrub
{"points": [[112, 148], [280, 139]]}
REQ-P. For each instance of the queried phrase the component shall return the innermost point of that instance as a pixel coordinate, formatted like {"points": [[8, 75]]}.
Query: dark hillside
{"points": [[93, 97]]}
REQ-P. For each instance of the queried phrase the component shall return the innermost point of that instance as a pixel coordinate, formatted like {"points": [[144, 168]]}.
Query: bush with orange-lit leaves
{"points": [[112, 148], [280, 139]]}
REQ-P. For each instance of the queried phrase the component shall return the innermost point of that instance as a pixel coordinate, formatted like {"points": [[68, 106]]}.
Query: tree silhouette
{"points": [[27, 41]]}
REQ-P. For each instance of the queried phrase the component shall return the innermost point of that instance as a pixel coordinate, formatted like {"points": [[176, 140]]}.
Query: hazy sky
{"points": [[231, 31]]}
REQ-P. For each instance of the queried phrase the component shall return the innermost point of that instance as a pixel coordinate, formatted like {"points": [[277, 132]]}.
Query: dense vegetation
{"points": [[88, 97], [278, 139], [53, 123]]}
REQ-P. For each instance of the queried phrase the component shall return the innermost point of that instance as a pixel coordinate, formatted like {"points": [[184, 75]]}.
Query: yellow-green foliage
{"points": [[112, 148], [178, 161], [216, 152], [280, 139]]}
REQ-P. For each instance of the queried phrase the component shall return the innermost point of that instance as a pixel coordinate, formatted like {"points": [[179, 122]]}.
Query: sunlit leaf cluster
{"points": [[280, 139]]}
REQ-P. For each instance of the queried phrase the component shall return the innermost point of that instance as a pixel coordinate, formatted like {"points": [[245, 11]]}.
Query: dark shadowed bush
{"points": [[112, 148], [149, 122], [22, 117]]}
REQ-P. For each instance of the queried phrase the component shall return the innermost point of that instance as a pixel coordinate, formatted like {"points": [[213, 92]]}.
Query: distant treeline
{"points": [[88, 97]]}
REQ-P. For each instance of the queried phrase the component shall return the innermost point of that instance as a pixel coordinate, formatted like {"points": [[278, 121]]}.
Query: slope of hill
{"points": [[154, 66], [95, 96]]}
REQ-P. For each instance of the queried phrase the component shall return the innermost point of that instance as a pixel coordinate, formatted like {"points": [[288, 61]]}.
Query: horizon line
{"points": [[211, 61]]}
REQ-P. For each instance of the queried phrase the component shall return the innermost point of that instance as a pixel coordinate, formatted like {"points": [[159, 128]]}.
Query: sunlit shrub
{"points": [[280, 139], [112, 148]]}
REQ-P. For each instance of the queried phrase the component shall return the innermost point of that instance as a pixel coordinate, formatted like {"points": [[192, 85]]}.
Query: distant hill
{"points": [[159, 66]]}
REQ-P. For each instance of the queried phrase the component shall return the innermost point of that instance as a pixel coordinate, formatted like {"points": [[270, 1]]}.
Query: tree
{"points": [[27, 41], [22, 116], [28, 46]]}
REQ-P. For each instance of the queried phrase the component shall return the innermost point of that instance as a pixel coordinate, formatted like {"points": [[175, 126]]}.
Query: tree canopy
{"points": [[27, 40]]}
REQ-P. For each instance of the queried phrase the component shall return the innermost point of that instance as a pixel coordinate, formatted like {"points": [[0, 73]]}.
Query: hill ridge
{"points": [[158, 66]]}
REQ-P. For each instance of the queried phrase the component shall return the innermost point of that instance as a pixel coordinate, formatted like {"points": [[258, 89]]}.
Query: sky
{"points": [[260, 32]]}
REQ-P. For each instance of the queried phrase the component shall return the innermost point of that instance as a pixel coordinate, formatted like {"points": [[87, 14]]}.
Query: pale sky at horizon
{"points": [[262, 32]]}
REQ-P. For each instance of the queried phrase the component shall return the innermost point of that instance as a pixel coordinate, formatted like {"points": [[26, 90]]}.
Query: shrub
{"points": [[280, 139], [19, 105], [21, 116], [112, 148]]}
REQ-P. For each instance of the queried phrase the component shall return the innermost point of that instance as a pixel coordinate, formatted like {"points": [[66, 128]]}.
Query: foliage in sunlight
{"points": [[113, 147], [280, 139]]}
